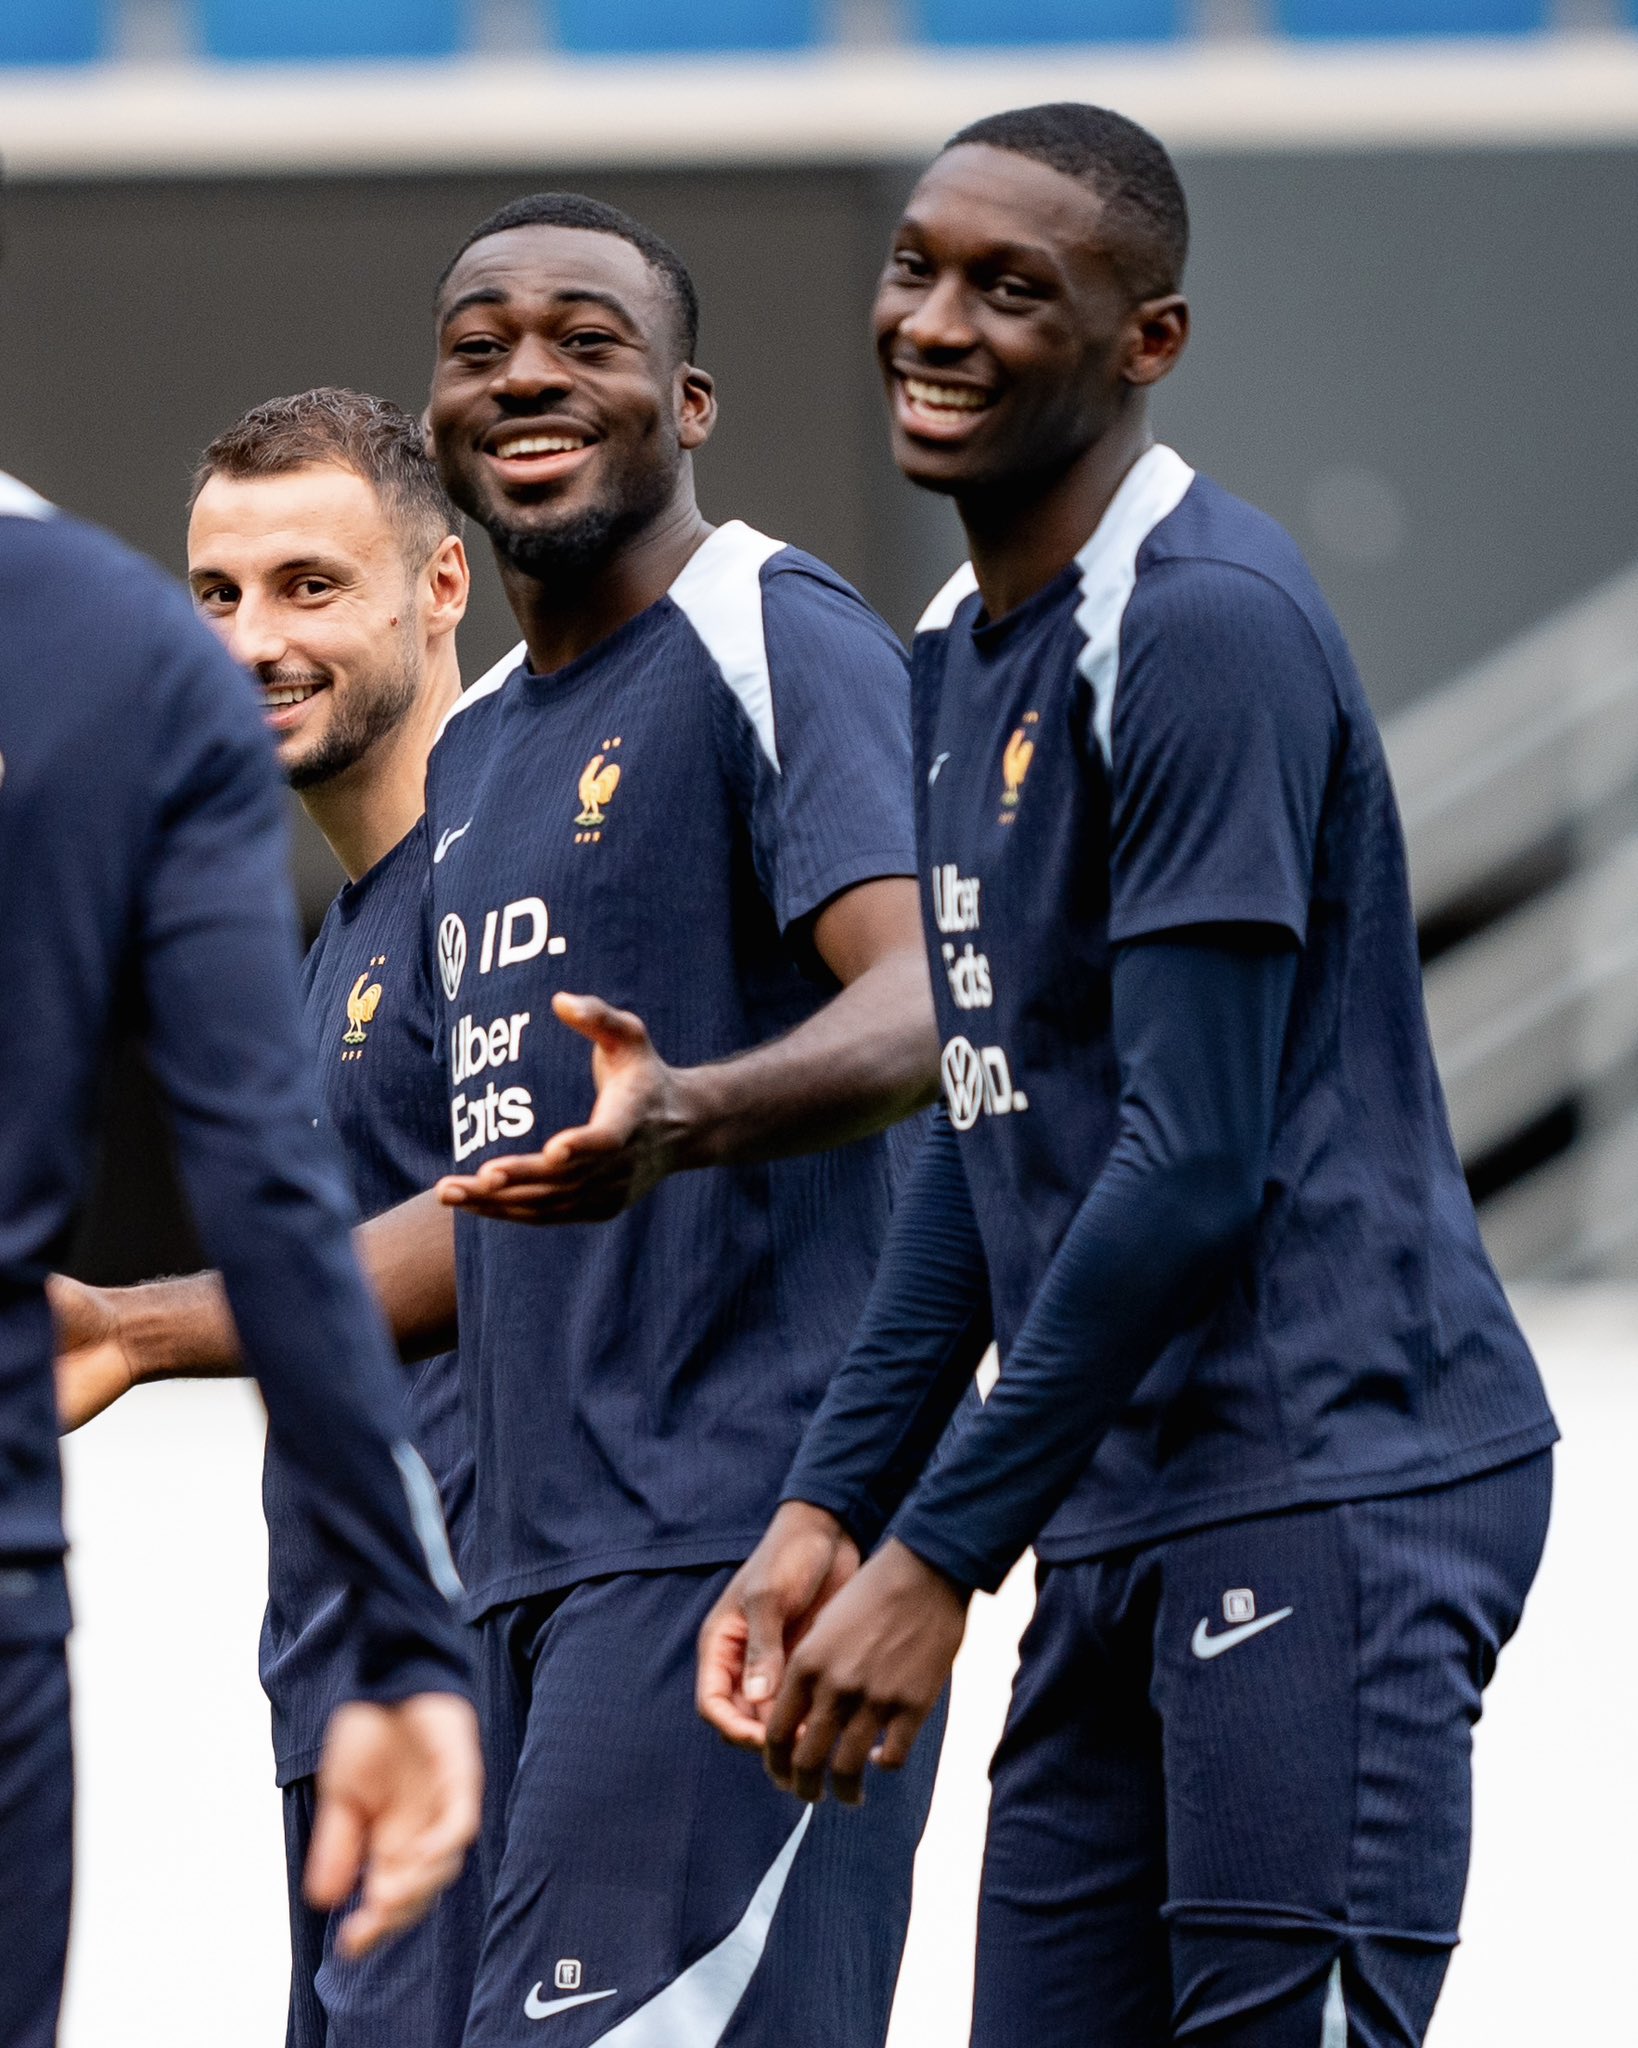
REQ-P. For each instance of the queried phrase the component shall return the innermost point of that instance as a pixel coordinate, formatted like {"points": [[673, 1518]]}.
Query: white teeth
{"points": [[297, 693], [945, 397], [539, 444]]}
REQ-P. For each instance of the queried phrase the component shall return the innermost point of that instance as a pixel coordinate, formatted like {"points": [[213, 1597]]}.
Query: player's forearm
{"points": [[184, 1328], [865, 1061], [408, 1256], [1199, 1029], [913, 1358]]}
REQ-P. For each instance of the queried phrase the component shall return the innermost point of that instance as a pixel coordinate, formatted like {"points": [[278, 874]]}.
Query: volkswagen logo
{"points": [[963, 1083], [451, 954]]}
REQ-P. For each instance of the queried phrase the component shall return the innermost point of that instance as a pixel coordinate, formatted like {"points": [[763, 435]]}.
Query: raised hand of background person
{"points": [[865, 1676], [400, 1791], [805, 1559], [93, 1365], [637, 1133]]}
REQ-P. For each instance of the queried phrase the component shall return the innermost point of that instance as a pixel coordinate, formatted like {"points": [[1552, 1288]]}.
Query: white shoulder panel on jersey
{"points": [[942, 610], [720, 594], [1151, 491], [486, 686], [17, 501]]}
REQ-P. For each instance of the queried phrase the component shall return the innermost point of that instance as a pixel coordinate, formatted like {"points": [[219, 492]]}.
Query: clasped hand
{"points": [[823, 1664]]}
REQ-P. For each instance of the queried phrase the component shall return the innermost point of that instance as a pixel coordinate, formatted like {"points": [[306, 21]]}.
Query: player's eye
{"points": [[584, 340], [473, 348], [216, 595], [908, 263], [313, 586], [1014, 291]]}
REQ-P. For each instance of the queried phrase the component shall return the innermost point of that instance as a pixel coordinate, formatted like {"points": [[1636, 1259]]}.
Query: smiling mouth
{"points": [[281, 696], [929, 397], [521, 446]]}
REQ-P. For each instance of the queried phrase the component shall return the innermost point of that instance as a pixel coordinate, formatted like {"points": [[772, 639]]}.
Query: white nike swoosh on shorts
{"points": [[537, 2008], [693, 2010], [1205, 1645]]}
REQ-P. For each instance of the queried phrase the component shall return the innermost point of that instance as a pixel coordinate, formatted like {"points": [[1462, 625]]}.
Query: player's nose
{"points": [[939, 323], [533, 369], [255, 638]]}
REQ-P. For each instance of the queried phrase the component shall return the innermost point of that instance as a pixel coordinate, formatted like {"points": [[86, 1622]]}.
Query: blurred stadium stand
{"points": [[293, 31]]}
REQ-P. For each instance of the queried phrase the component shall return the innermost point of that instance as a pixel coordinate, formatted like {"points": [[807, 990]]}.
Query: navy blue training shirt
{"points": [[657, 824], [371, 1026], [1171, 735], [143, 861]]}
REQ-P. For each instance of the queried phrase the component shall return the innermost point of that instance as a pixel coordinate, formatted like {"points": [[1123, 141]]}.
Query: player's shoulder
{"points": [[772, 618], [481, 696], [1216, 559], [740, 581], [79, 603], [44, 551]]}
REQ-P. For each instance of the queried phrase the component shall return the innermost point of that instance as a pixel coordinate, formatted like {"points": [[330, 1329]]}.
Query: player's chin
{"points": [[934, 465]]}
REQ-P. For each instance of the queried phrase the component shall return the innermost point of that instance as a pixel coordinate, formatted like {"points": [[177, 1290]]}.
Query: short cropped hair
{"points": [[574, 210], [372, 437], [1126, 166]]}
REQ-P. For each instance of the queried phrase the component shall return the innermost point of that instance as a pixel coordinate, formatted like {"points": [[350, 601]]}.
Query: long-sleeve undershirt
{"points": [[1198, 1021]]}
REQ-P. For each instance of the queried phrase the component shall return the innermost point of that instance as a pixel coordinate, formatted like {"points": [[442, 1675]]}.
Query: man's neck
{"points": [[1021, 537], [366, 811], [564, 619]]}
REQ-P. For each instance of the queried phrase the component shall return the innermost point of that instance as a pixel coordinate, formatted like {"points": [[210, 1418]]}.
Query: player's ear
{"points": [[447, 584], [428, 439], [696, 406], [1157, 333]]}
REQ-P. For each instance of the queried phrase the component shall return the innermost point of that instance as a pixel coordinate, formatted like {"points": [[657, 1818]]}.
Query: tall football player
{"points": [[1263, 1409]]}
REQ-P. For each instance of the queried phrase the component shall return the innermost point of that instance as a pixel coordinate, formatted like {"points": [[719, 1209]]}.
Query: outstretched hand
{"points": [[803, 1561], [631, 1141], [399, 1794], [93, 1365], [865, 1677]]}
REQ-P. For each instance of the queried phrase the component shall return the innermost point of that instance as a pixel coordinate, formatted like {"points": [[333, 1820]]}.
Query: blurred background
{"points": [[1416, 323]]}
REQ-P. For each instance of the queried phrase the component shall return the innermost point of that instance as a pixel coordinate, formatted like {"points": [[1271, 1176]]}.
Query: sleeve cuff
{"points": [[972, 1570], [861, 1522]]}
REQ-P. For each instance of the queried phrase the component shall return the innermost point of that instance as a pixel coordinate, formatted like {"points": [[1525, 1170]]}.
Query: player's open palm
{"points": [[771, 1602], [93, 1366], [399, 1795], [630, 1142]]}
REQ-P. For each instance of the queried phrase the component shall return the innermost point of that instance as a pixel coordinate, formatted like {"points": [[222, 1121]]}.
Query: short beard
{"points": [[564, 553], [370, 712]]}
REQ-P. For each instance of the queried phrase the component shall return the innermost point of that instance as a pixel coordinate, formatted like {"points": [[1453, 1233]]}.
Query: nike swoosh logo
{"points": [[447, 840], [694, 2009], [537, 2008], [932, 773], [1205, 1645]]}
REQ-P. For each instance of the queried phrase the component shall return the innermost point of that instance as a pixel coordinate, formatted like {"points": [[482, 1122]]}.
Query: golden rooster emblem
{"points": [[597, 784], [1020, 751], [362, 1005]]}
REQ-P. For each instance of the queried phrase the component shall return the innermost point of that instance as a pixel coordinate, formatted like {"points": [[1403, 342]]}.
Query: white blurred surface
{"points": [[179, 1938]]}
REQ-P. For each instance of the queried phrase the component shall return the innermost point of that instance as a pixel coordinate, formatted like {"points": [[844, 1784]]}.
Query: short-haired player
{"points": [[1263, 1409]]}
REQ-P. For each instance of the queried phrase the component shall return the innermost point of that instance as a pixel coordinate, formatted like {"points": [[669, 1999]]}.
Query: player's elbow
{"points": [[1214, 1200]]}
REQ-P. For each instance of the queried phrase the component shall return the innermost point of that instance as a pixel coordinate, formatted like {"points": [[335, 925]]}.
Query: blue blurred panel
{"points": [[298, 31], [1410, 17], [52, 31], [629, 27], [1047, 21]]}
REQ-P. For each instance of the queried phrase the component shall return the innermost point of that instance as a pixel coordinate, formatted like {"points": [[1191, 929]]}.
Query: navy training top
{"points": [[371, 1025], [143, 863], [657, 824], [1172, 734]]}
